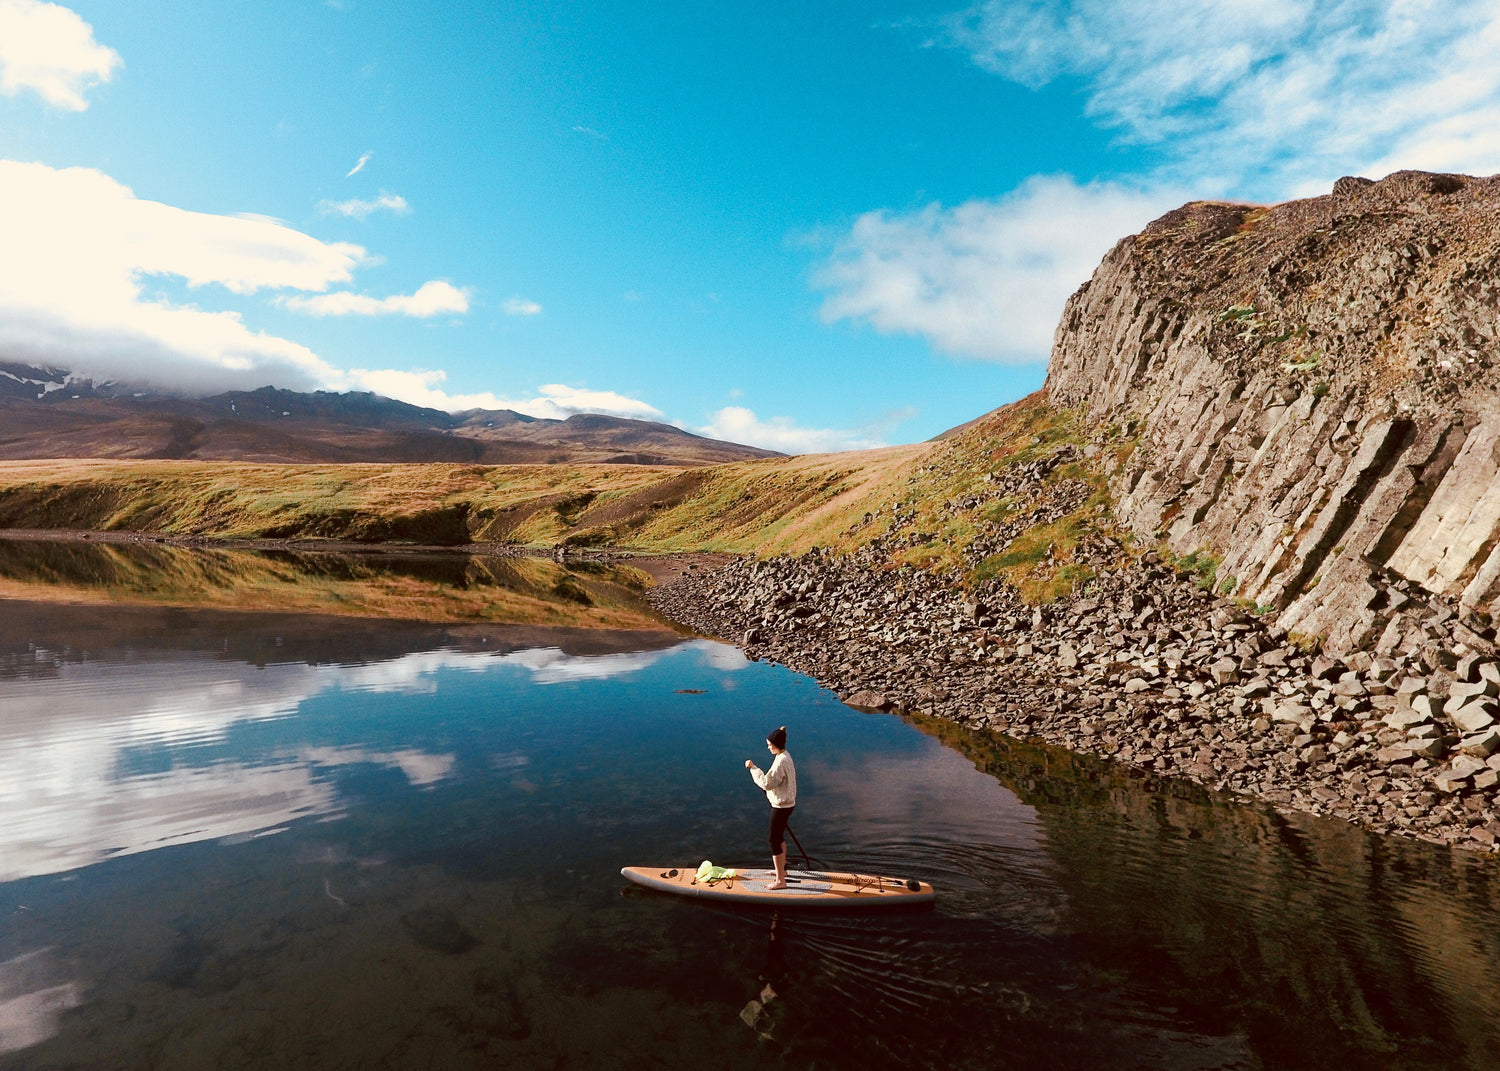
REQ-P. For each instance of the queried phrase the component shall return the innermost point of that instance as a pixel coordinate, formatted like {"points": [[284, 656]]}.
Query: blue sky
{"points": [[839, 226]]}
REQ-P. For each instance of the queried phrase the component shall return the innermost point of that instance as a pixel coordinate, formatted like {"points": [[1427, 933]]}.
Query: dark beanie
{"points": [[778, 737]]}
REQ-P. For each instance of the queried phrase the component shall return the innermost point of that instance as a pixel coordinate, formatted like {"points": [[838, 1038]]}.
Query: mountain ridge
{"points": [[45, 411]]}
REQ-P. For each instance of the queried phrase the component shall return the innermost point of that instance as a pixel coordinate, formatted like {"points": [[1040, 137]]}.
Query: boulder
{"points": [[1327, 669], [1461, 691], [1466, 765], [1472, 717], [1426, 705], [1481, 745], [1291, 713], [1381, 669], [1448, 782], [1427, 749], [1405, 719], [865, 699], [1351, 686], [1409, 689]]}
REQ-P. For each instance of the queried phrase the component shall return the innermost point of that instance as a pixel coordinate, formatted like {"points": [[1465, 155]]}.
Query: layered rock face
{"points": [[1312, 389]]}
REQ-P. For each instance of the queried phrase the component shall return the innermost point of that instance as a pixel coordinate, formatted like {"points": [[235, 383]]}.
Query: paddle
{"points": [[806, 859]]}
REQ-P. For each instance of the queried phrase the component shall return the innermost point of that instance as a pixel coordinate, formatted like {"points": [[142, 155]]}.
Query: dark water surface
{"points": [[250, 841]]}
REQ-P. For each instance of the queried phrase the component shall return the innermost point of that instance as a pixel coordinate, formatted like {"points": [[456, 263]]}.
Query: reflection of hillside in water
{"points": [[36, 638], [1317, 928], [132, 733], [421, 586]]}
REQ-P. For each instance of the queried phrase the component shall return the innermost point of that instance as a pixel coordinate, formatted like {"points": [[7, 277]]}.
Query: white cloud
{"points": [[359, 165], [78, 247], [48, 49], [550, 402], [1280, 96], [557, 400], [737, 424], [519, 306], [1266, 98], [431, 299], [358, 209], [987, 278], [590, 132]]}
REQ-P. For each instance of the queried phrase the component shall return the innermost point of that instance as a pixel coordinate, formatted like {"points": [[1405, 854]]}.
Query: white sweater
{"points": [[779, 782]]}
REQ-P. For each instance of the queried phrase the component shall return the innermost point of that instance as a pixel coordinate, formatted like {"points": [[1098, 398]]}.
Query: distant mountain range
{"points": [[48, 412]]}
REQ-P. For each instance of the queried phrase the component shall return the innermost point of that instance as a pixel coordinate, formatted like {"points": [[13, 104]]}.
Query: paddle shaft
{"points": [[805, 857]]}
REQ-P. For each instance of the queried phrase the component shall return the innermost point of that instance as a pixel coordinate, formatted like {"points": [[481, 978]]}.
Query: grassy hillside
{"points": [[776, 504], [939, 497]]}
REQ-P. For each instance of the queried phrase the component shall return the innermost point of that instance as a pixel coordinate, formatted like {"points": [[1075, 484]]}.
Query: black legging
{"points": [[780, 816]]}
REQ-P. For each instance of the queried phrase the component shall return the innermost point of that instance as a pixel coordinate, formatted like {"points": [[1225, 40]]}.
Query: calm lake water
{"points": [[233, 840]]}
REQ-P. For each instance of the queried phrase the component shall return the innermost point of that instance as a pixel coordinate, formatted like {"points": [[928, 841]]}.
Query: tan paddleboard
{"points": [[805, 888]]}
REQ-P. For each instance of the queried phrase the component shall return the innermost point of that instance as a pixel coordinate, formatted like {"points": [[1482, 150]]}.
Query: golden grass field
{"points": [[764, 507]]}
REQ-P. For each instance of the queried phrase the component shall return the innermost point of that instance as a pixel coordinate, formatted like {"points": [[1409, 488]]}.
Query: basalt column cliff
{"points": [[1313, 388]]}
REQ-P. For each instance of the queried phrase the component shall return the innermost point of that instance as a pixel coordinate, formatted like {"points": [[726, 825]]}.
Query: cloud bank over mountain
{"points": [[74, 290]]}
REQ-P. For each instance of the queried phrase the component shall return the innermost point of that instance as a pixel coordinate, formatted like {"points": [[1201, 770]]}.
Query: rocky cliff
{"points": [[1301, 402], [1311, 392]]}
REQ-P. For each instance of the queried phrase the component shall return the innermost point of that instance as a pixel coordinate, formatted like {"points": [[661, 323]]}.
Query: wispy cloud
{"points": [[590, 132], [519, 306], [987, 278], [359, 165], [1274, 98], [1265, 99], [49, 50], [363, 209], [737, 424], [431, 299]]}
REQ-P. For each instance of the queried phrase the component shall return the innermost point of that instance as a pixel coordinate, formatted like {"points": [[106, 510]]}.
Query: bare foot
{"points": [[777, 885]]}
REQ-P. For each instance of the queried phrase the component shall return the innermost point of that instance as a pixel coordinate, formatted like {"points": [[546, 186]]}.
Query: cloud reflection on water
{"points": [[31, 1001], [70, 744]]}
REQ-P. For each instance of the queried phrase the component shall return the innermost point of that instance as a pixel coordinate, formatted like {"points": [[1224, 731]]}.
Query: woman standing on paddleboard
{"points": [[780, 785]]}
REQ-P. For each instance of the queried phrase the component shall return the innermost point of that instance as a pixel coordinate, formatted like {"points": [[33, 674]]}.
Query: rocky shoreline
{"points": [[1142, 667]]}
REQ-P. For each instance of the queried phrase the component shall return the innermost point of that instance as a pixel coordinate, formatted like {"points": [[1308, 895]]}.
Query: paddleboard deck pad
{"points": [[804, 888]]}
